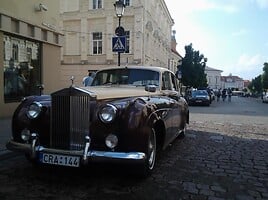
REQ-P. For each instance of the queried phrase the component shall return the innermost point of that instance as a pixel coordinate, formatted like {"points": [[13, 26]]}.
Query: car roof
{"points": [[153, 68]]}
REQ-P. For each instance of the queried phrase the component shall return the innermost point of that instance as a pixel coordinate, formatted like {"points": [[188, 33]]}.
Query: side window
{"points": [[166, 81], [174, 82]]}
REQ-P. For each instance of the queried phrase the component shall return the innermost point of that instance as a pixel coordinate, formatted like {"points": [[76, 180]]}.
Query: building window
{"points": [[97, 43], [22, 68], [15, 26], [56, 38], [127, 34], [29, 54], [30, 30], [127, 2], [15, 52], [97, 4], [44, 35]]}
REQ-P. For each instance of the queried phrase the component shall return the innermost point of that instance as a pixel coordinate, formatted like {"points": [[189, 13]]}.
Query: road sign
{"points": [[119, 44]]}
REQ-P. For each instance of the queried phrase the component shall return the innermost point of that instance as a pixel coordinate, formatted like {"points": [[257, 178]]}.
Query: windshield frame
{"points": [[127, 76]]}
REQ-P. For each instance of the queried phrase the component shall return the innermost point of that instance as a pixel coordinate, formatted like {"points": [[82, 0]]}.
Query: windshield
{"points": [[199, 92], [135, 77]]}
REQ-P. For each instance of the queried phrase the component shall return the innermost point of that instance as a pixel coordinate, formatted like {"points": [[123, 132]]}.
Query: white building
{"points": [[213, 77], [232, 82], [89, 26]]}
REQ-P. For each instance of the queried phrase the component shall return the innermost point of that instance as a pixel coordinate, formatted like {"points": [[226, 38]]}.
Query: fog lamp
{"points": [[111, 141], [25, 134]]}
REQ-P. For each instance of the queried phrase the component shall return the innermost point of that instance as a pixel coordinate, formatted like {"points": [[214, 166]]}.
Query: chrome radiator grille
{"points": [[70, 121]]}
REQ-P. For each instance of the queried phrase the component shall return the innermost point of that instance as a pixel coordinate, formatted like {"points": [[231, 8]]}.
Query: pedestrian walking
{"points": [[223, 94], [218, 95], [87, 80], [229, 92]]}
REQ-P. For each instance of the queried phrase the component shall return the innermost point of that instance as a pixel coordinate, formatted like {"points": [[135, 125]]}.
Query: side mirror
{"points": [[150, 88]]}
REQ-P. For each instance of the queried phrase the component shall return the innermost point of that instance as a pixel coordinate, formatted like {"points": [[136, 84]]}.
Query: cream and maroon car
{"points": [[127, 115]]}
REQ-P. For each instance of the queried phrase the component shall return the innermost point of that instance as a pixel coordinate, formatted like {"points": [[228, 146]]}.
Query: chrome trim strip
{"points": [[91, 155], [33, 145], [88, 140]]}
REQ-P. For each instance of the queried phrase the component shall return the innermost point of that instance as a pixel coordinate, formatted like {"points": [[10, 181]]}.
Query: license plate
{"points": [[198, 101], [56, 159]]}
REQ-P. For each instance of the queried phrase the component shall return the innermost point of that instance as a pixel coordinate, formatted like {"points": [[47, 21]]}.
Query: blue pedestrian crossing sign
{"points": [[119, 44]]}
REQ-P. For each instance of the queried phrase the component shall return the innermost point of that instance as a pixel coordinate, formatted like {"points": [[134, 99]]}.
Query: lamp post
{"points": [[119, 11], [179, 74]]}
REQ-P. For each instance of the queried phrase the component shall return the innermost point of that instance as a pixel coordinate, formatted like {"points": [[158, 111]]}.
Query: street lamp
{"points": [[119, 11], [179, 74]]}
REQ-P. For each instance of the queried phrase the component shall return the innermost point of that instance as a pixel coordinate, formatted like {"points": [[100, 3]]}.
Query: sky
{"points": [[231, 34]]}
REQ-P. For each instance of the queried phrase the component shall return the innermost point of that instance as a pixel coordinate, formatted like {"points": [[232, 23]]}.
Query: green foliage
{"points": [[256, 84], [260, 83], [265, 76], [193, 68]]}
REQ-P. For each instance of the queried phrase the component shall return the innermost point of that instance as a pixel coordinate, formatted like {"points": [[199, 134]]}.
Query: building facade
{"points": [[213, 77], [30, 43], [176, 58], [233, 82], [89, 26]]}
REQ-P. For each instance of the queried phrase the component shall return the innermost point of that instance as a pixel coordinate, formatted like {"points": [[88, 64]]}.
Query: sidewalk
{"points": [[5, 134]]}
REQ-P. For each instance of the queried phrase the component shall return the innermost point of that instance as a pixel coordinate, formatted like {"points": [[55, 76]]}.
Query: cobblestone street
{"points": [[214, 161]]}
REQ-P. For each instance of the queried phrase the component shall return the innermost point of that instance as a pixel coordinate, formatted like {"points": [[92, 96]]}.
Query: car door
{"points": [[169, 89]]}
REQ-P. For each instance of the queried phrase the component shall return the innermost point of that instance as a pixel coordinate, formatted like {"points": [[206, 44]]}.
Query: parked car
{"points": [[265, 98], [127, 115], [199, 97]]}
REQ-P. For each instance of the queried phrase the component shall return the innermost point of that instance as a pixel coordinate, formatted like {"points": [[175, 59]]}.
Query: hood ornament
{"points": [[72, 79]]}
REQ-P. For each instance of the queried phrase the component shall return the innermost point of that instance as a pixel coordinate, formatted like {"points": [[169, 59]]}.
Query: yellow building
{"points": [[89, 26], [30, 43]]}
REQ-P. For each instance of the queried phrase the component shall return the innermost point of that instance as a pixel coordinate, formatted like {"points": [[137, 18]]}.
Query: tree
{"points": [[265, 76], [256, 84], [193, 68]]}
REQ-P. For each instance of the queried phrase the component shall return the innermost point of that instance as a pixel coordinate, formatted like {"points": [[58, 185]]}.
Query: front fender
{"points": [[20, 120]]}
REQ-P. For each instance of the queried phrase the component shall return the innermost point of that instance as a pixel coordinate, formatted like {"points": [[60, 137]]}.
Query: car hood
{"points": [[111, 92]]}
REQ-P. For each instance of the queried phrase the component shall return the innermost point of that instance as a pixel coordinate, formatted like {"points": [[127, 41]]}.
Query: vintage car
{"points": [[127, 115]]}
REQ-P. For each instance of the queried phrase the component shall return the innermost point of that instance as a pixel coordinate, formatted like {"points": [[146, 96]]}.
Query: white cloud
{"points": [[249, 62], [247, 67]]}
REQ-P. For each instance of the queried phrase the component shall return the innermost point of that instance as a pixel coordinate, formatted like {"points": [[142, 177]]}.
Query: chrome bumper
{"points": [[86, 154]]}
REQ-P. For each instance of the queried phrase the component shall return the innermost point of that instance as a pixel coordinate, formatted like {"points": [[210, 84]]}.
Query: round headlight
{"points": [[111, 141], [25, 135], [107, 113], [34, 110]]}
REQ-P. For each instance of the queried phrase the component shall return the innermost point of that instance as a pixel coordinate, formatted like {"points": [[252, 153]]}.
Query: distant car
{"points": [[265, 98], [127, 115], [199, 97]]}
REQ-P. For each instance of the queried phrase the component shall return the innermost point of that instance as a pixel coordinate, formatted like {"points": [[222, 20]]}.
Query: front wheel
{"points": [[183, 128], [148, 166]]}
